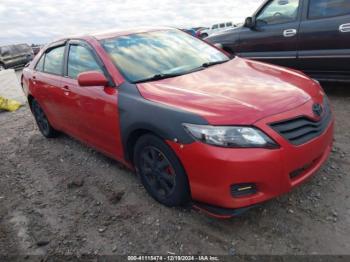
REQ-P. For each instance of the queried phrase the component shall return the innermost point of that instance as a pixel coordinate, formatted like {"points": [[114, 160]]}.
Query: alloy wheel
{"points": [[158, 171], [41, 119]]}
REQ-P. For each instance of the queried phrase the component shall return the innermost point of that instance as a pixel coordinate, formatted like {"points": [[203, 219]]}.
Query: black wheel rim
{"points": [[157, 171], [41, 119]]}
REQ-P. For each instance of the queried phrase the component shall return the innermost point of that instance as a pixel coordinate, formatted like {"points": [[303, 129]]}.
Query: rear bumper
{"points": [[213, 170]]}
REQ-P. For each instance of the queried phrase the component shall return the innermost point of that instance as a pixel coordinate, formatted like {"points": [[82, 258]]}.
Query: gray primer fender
{"points": [[136, 112]]}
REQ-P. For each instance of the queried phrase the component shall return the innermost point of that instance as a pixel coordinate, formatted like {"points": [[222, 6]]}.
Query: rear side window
{"points": [[222, 25], [215, 27], [81, 59], [54, 61], [328, 8], [40, 65]]}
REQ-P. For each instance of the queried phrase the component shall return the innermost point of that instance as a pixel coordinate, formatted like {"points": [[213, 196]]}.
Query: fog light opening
{"points": [[244, 189]]}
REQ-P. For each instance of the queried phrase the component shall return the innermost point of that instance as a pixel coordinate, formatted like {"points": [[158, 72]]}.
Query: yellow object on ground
{"points": [[9, 104]]}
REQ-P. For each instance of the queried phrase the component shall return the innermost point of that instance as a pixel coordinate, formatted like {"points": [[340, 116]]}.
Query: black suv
{"points": [[13, 56], [309, 35]]}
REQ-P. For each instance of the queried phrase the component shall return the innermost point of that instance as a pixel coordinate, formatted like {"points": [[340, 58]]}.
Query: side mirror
{"points": [[250, 22], [92, 78]]}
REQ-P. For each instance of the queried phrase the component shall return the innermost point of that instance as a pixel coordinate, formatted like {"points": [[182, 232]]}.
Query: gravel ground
{"points": [[58, 196]]}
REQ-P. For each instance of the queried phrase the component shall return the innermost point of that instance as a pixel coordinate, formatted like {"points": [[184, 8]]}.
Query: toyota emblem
{"points": [[317, 109]]}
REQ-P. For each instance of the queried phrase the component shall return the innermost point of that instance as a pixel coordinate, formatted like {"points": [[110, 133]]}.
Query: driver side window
{"points": [[80, 60], [279, 12]]}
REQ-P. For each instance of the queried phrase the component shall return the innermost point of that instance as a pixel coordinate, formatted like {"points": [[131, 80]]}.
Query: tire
{"points": [[161, 172], [41, 120]]}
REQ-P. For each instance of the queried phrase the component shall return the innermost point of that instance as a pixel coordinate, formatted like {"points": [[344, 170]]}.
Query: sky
{"points": [[41, 21]]}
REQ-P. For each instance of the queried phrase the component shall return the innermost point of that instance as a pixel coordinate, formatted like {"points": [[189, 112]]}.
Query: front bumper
{"points": [[213, 170]]}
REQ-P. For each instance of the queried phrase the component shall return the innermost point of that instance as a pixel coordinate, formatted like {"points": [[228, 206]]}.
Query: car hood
{"points": [[240, 91], [226, 31], [225, 36]]}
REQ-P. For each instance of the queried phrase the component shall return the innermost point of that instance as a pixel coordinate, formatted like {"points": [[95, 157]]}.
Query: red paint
{"points": [[239, 92], [212, 170], [253, 89]]}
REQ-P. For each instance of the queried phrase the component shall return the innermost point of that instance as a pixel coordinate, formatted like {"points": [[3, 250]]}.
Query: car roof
{"points": [[115, 33]]}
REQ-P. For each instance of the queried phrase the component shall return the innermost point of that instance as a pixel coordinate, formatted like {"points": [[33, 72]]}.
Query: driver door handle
{"points": [[344, 28], [289, 32]]}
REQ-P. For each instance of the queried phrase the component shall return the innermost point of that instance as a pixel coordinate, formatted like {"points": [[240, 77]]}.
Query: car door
{"points": [[94, 108], [47, 79], [274, 37], [324, 42]]}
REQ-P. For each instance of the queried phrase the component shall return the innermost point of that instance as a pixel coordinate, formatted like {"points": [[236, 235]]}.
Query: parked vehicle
{"points": [[309, 35], [199, 30], [216, 28], [13, 56], [36, 49], [190, 31], [198, 127]]}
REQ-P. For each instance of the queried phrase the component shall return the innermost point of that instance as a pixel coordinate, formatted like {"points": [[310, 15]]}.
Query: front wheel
{"points": [[43, 123], [161, 172]]}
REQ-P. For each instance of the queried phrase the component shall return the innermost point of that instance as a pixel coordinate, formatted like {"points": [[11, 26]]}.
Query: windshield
{"points": [[166, 52]]}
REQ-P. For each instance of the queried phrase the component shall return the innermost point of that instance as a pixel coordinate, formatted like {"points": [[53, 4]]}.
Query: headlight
{"points": [[230, 136]]}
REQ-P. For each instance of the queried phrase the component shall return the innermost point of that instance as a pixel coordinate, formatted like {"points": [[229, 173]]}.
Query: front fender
{"points": [[136, 113]]}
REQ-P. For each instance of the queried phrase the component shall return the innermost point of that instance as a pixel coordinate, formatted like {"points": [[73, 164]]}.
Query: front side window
{"points": [[215, 27], [54, 61], [40, 65], [229, 24], [279, 11], [328, 8], [81, 59], [222, 25], [143, 55]]}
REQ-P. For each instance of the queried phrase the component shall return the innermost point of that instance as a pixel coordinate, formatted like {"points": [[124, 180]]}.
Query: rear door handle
{"points": [[344, 28], [289, 32]]}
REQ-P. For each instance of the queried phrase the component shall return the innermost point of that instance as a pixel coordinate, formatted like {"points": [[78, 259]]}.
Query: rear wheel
{"points": [[161, 172], [43, 123]]}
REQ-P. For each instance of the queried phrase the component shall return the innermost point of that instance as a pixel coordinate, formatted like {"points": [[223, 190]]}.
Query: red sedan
{"points": [[223, 133]]}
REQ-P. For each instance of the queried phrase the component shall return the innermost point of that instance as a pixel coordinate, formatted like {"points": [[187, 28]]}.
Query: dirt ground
{"points": [[58, 196]]}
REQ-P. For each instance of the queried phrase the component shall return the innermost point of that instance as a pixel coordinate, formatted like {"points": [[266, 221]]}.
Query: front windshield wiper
{"points": [[167, 75], [207, 64], [157, 77]]}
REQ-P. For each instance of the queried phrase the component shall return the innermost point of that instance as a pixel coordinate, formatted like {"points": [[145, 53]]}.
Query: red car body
{"points": [[240, 92]]}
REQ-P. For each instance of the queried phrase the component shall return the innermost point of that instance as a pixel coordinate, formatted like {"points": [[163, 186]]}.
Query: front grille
{"points": [[302, 129]]}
